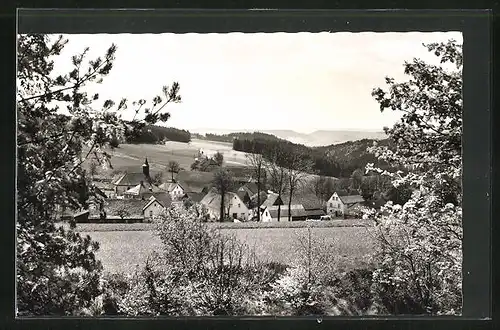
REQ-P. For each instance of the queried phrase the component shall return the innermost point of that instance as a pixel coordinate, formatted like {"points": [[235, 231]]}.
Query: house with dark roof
{"points": [[250, 187], [130, 180], [245, 190], [245, 197], [304, 206], [143, 191], [312, 205], [193, 196], [339, 206], [269, 202], [254, 201], [297, 212], [273, 199], [156, 205]]}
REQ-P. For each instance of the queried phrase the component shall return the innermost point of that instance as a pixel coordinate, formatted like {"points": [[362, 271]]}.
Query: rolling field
{"points": [[130, 156], [123, 251]]}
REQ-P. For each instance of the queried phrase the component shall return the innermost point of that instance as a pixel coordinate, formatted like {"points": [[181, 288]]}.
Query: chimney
{"points": [[145, 168]]}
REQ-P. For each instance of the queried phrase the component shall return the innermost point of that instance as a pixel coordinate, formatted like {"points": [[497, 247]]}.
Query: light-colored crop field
{"points": [[231, 157], [123, 251], [131, 156]]}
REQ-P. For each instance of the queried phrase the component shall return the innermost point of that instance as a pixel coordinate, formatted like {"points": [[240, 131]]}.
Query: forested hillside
{"points": [[238, 135], [338, 160], [159, 134]]}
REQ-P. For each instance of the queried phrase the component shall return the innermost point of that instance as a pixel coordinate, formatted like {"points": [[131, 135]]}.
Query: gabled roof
{"points": [[352, 199], [195, 197], [308, 200], [209, 198], [285, 198], [169, 186], [244, 188], [134, 191], [163, 199], [252, 186], [342, 193], [243, 195], [143, 188], [273, 199], [263, 198], [213, 199], [131, 179], [232, 195]]}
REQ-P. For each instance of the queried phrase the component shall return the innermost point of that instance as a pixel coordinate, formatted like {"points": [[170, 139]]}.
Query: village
{"points": [[292, 175], [134, 196]]}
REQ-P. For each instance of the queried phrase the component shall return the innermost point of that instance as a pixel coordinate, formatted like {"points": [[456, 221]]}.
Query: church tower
{"points": [[145, 168]]}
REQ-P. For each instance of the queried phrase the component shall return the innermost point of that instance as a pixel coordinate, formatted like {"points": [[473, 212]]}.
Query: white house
{"points": [[338, 206], [174, 189], [237, 209], [233, 205], [128, 181], [265, 215], [156, 205]]}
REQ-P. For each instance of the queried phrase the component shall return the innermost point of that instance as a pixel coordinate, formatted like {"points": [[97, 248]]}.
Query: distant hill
{"points": [[314, 139], [353, 154], [335, 160], [229, 138]]}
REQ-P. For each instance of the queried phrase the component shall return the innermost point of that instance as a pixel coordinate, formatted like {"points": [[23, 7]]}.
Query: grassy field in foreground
{"points": [[123, 251], [91, 227]]}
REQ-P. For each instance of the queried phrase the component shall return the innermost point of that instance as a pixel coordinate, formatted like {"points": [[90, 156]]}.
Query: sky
{"points": [[260, 81]]}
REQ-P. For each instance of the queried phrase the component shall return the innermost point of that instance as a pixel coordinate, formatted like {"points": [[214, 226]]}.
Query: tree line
{"points": [[240, 135], [153, 134]]}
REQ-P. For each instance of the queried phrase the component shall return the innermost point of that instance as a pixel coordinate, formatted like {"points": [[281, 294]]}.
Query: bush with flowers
{"points": [[419, 253]]}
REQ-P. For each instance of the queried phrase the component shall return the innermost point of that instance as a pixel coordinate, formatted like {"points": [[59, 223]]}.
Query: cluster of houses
{"points": [[134, 197]]}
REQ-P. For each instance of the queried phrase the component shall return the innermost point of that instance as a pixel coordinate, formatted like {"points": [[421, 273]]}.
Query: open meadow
{"points": [[123, 251], [129, 156]]}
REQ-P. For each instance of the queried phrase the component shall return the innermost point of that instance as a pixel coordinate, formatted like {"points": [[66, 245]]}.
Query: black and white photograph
{"points": [[239, 174]]}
